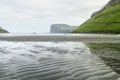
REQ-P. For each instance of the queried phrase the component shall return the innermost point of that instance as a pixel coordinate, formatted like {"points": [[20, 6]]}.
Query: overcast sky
{"points": [[27, 16]]}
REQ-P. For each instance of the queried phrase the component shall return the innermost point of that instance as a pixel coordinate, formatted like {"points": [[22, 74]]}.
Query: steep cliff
{"points": [[107, 20], [3, 30], [61, 28]]}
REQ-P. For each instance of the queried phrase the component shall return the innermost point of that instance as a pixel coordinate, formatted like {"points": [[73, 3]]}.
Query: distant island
{"points": [[3, 30], [62, 28], [107, 20]]}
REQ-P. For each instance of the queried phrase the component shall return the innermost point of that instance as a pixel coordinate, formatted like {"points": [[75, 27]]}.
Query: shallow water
{"points": [[52, 61]]}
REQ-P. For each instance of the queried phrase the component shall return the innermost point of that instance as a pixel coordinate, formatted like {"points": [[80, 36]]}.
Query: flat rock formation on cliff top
{"points": [[62, 28]]}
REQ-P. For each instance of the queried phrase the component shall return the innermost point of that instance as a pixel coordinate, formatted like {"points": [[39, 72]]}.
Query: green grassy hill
{"points": [[3, 31], [106, 20]]}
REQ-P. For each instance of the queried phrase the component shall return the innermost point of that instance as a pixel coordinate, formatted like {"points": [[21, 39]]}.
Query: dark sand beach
{"points": [[62, 37]]}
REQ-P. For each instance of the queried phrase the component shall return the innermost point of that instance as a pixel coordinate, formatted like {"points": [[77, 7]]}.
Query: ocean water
{"points": [[58, 61]]}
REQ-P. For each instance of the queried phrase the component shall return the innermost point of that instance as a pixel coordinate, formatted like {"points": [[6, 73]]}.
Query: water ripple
{"points": [[51, 61]]}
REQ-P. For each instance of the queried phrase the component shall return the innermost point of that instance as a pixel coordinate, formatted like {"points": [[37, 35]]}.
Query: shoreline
{"points": [[62, 37]]}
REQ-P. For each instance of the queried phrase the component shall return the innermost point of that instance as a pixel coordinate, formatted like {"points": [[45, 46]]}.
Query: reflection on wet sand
{"points": [[108, 52]]}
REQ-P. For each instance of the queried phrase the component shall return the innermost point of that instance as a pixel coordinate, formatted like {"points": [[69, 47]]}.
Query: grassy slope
{"points": [[106, 21], [3, 31]]}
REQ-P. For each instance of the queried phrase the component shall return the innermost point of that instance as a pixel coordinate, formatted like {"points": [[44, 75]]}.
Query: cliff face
{"points": [[3, 30], [61, 28], [107, 20]]}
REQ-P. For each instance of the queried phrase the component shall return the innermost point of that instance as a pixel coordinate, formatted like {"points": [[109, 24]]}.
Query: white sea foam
{"points": [[30, 51]]}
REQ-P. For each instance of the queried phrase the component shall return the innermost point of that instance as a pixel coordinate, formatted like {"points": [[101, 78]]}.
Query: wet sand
{"points": [[51, 61]]}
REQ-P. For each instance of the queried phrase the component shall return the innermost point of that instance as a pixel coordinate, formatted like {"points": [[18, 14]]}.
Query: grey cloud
{"points": [[51, 8], [49, 11]]}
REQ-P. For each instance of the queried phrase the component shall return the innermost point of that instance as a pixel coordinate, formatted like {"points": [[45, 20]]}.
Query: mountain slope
{"points": [[106, 20], [3, 31]]}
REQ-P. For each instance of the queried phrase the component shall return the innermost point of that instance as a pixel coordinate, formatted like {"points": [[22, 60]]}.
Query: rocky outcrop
{"points": [[112, 3], [3, 30], [62, 28]]}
